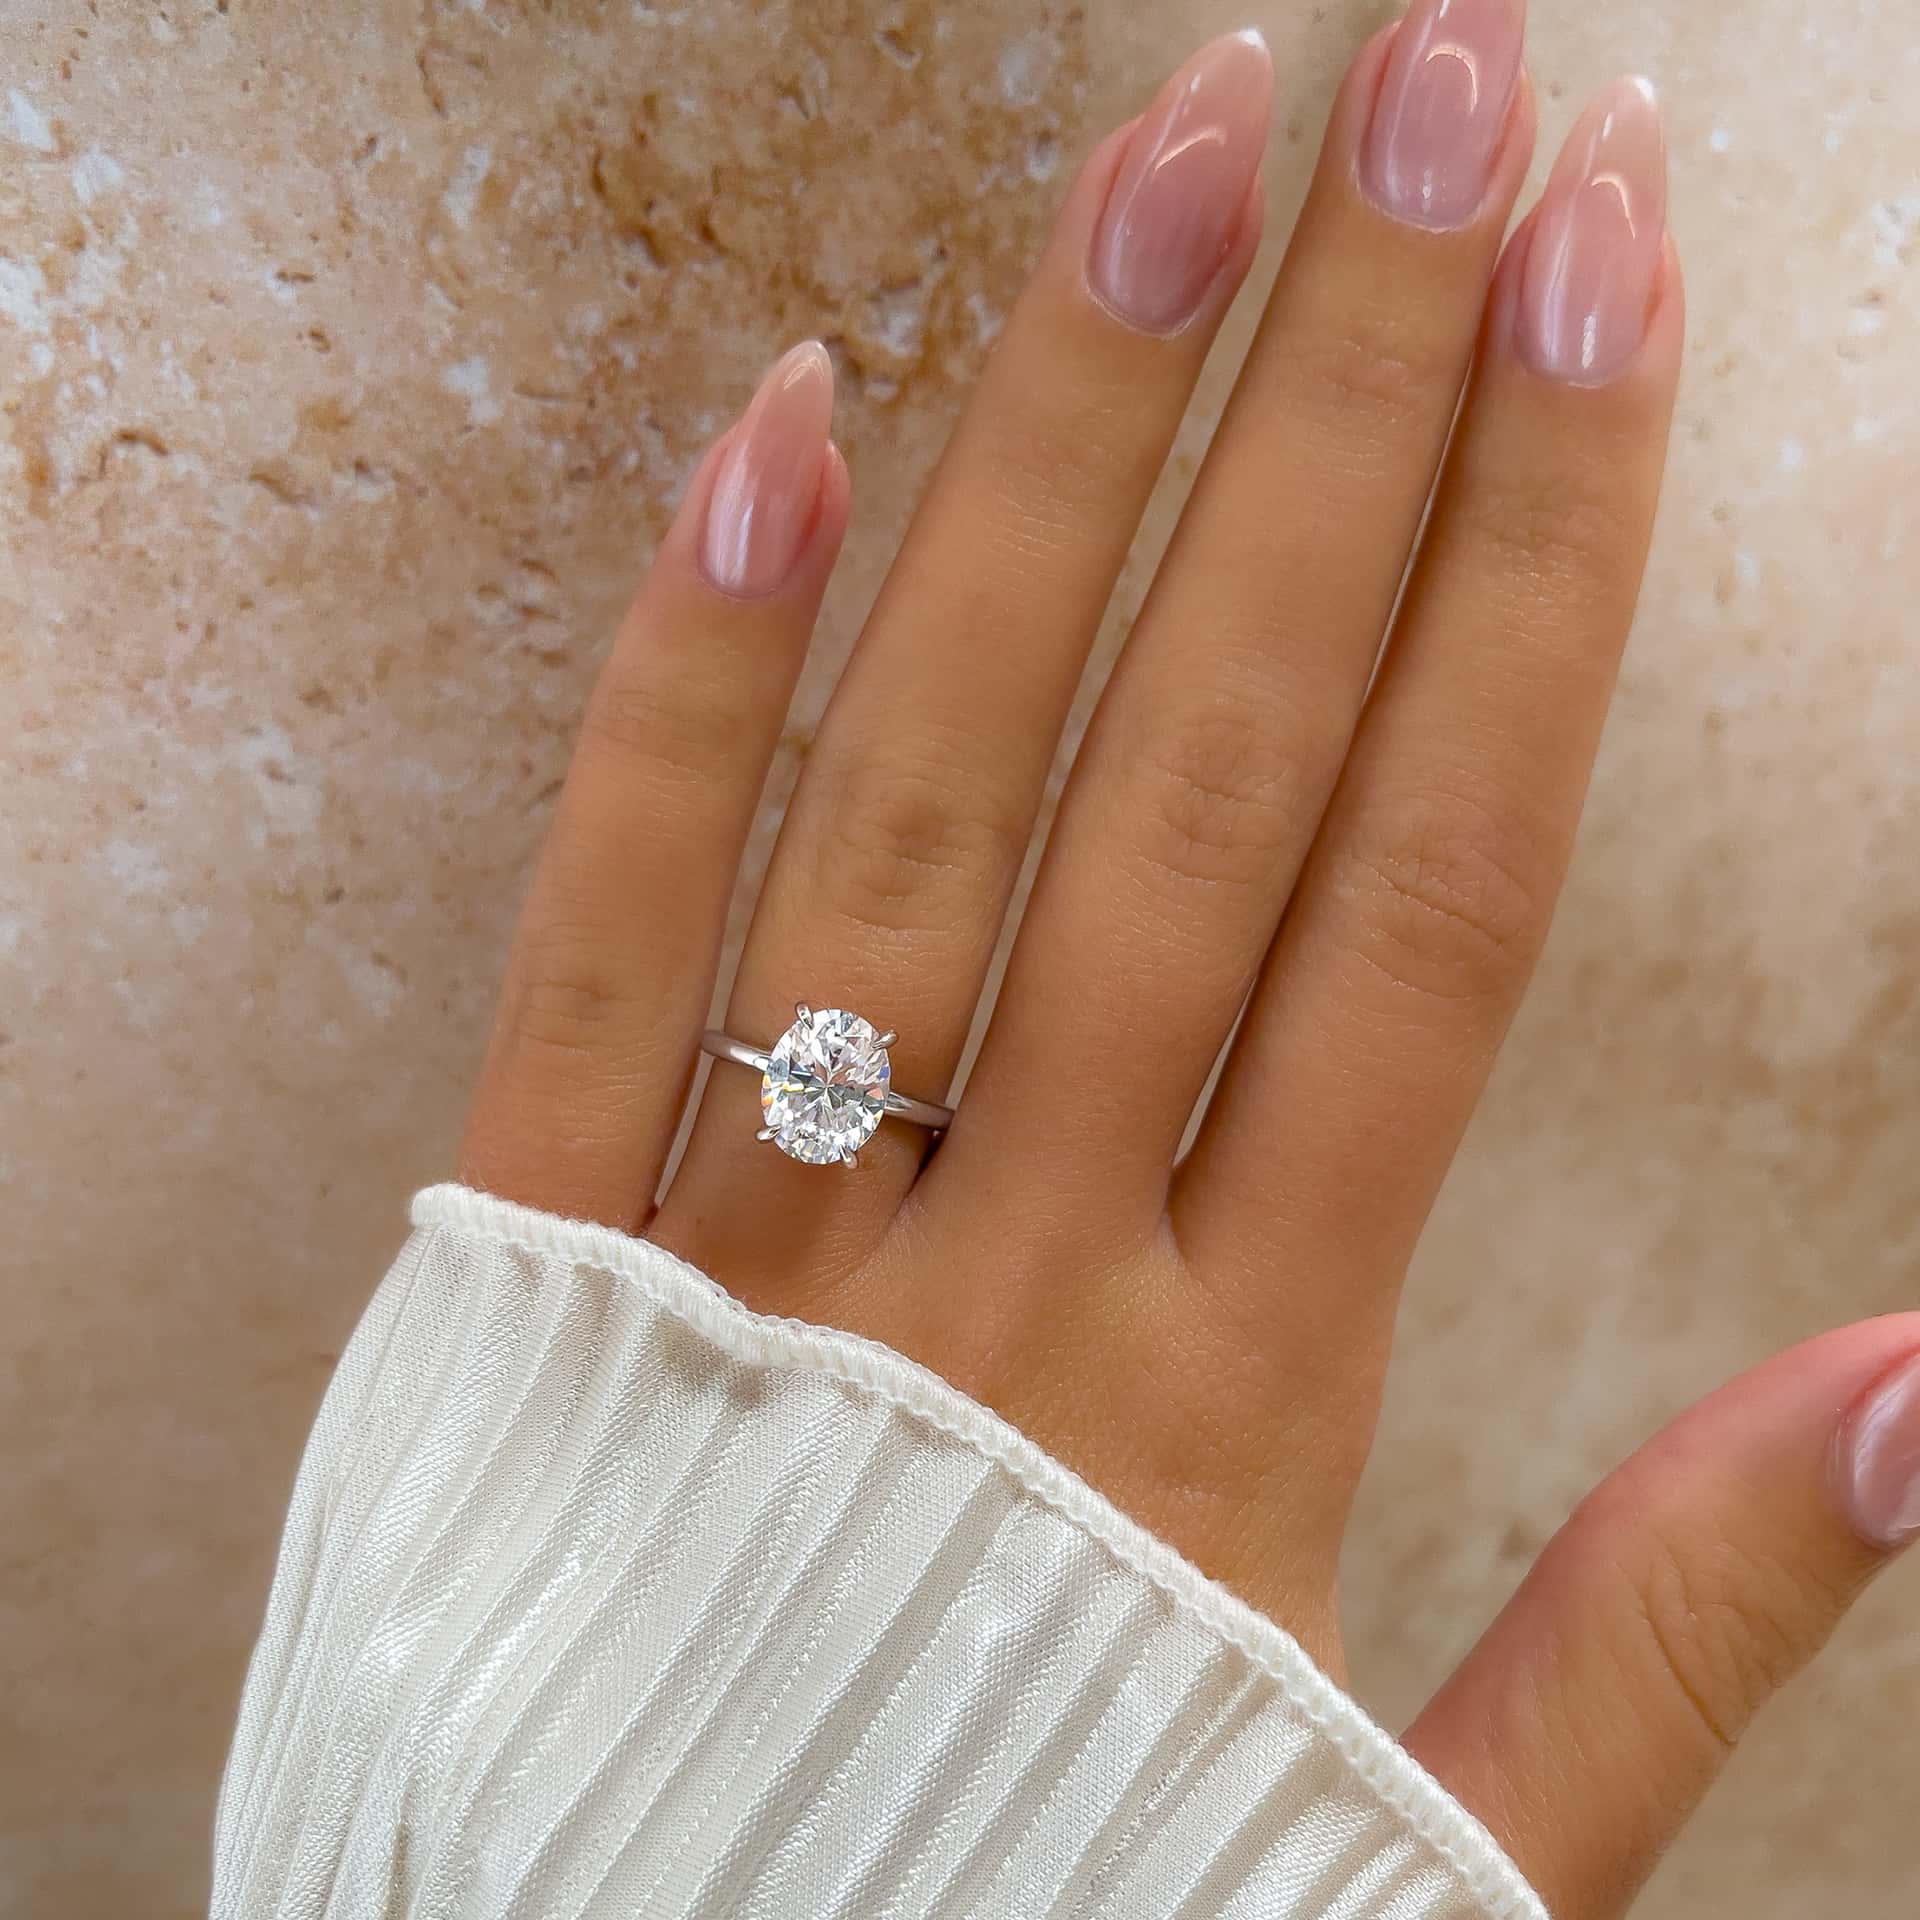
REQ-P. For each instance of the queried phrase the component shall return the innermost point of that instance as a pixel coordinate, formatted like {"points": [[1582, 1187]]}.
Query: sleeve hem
{"points": [[1401, 1783]]}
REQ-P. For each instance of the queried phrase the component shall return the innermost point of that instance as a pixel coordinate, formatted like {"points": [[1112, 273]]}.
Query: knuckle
{"points": [[1723, 1627], [1560, 529], [1376, 371], [1445, 899], [1066, 443], [1051, 463], [572, 1000], [907, 848], [667, 722], [1215, 799], [1062, 456]]}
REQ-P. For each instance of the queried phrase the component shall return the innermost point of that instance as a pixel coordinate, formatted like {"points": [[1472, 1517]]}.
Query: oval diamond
{"points": [[825, 1086]]}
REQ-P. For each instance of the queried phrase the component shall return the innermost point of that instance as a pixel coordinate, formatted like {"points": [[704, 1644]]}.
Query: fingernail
{"points": [[1596, 244], [1877, 1461], [764, 496], [1443, 104], [1178, 198]]}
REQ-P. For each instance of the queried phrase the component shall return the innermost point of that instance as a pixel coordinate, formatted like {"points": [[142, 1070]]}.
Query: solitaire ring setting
{"points": [[825, 1084]]}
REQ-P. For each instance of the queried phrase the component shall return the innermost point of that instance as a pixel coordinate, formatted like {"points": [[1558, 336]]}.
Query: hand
{"points": [[1367, 872]]}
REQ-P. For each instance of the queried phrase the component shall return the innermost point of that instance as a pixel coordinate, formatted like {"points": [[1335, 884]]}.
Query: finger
{"points": [[909, 824], [1196, 793], [612, 967], [1683, 1593], [1427, 895]]}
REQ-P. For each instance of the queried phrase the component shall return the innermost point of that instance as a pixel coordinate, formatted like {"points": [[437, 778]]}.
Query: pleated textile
{"points": [[601, 1596]]}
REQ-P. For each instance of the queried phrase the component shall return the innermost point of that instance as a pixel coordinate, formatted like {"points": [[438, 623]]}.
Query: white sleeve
{"points": [[602, 1596]]}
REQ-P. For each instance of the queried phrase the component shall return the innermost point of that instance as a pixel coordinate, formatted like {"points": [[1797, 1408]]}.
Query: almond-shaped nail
{"points": [[764, 497], [1442, 109], [1877, 1460], [1595, 248], [1181, 191]]}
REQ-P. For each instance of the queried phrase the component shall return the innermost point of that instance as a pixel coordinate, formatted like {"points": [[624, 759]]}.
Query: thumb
{"points": [[1683, 1592]]}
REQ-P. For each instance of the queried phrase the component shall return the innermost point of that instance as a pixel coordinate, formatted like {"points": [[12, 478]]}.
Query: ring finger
{"points": [[906, 834]]}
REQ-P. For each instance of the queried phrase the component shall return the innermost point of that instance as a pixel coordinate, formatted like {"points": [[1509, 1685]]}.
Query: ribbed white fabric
{"points": [[603, 1596]]}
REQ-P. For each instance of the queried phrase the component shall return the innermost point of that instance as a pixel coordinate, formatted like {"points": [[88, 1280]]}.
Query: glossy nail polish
{"points": [[1181, 191], [1877, 1460], [1595, 248], [1442, 109], [761, 508]]}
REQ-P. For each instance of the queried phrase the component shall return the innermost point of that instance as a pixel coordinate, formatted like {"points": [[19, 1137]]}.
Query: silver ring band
{"points": [[899, 1106]]}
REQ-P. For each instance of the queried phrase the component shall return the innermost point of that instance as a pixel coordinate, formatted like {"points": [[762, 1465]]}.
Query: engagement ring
{"points": [[825, 1085]]}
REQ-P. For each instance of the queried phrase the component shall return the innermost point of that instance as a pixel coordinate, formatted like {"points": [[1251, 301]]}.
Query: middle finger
{"points": [[1217, 742]]}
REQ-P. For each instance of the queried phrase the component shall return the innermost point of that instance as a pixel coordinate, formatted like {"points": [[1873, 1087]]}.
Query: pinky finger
{"points": [[1683, 1593], [612, 967]]}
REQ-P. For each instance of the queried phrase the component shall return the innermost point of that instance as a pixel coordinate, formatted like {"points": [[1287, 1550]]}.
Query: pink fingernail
{"points": [[1877, 1460], [1443, 105], [1596, 245], [763, 500], [1177, 201]]}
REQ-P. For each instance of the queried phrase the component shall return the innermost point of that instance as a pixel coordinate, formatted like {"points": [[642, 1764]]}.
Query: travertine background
{"points": [[350, 359]]}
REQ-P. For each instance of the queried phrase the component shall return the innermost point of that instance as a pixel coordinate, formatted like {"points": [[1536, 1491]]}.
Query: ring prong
{"points": [[850, 1161], [801, 1011], [887, 1039], [765, 1133]]}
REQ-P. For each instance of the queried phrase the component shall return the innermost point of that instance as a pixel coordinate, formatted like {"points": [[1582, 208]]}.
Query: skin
{"points": [[1372, 876]]}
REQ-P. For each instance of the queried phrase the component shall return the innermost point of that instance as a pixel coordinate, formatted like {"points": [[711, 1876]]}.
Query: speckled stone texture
{"points": [[351, 357]]}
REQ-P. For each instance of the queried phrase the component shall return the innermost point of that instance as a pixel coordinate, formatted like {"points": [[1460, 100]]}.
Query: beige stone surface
{"points": [[350, 359]]}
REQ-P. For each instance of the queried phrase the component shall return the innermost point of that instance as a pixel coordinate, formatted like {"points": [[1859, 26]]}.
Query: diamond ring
{"points": [[825, 1084]]}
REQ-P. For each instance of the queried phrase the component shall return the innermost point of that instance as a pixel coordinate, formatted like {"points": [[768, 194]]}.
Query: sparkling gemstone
{"points": [[825, 1086]]}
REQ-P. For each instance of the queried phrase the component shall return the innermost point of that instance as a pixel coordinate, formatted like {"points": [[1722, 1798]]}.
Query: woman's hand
{"points": [[1366, 871]]}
